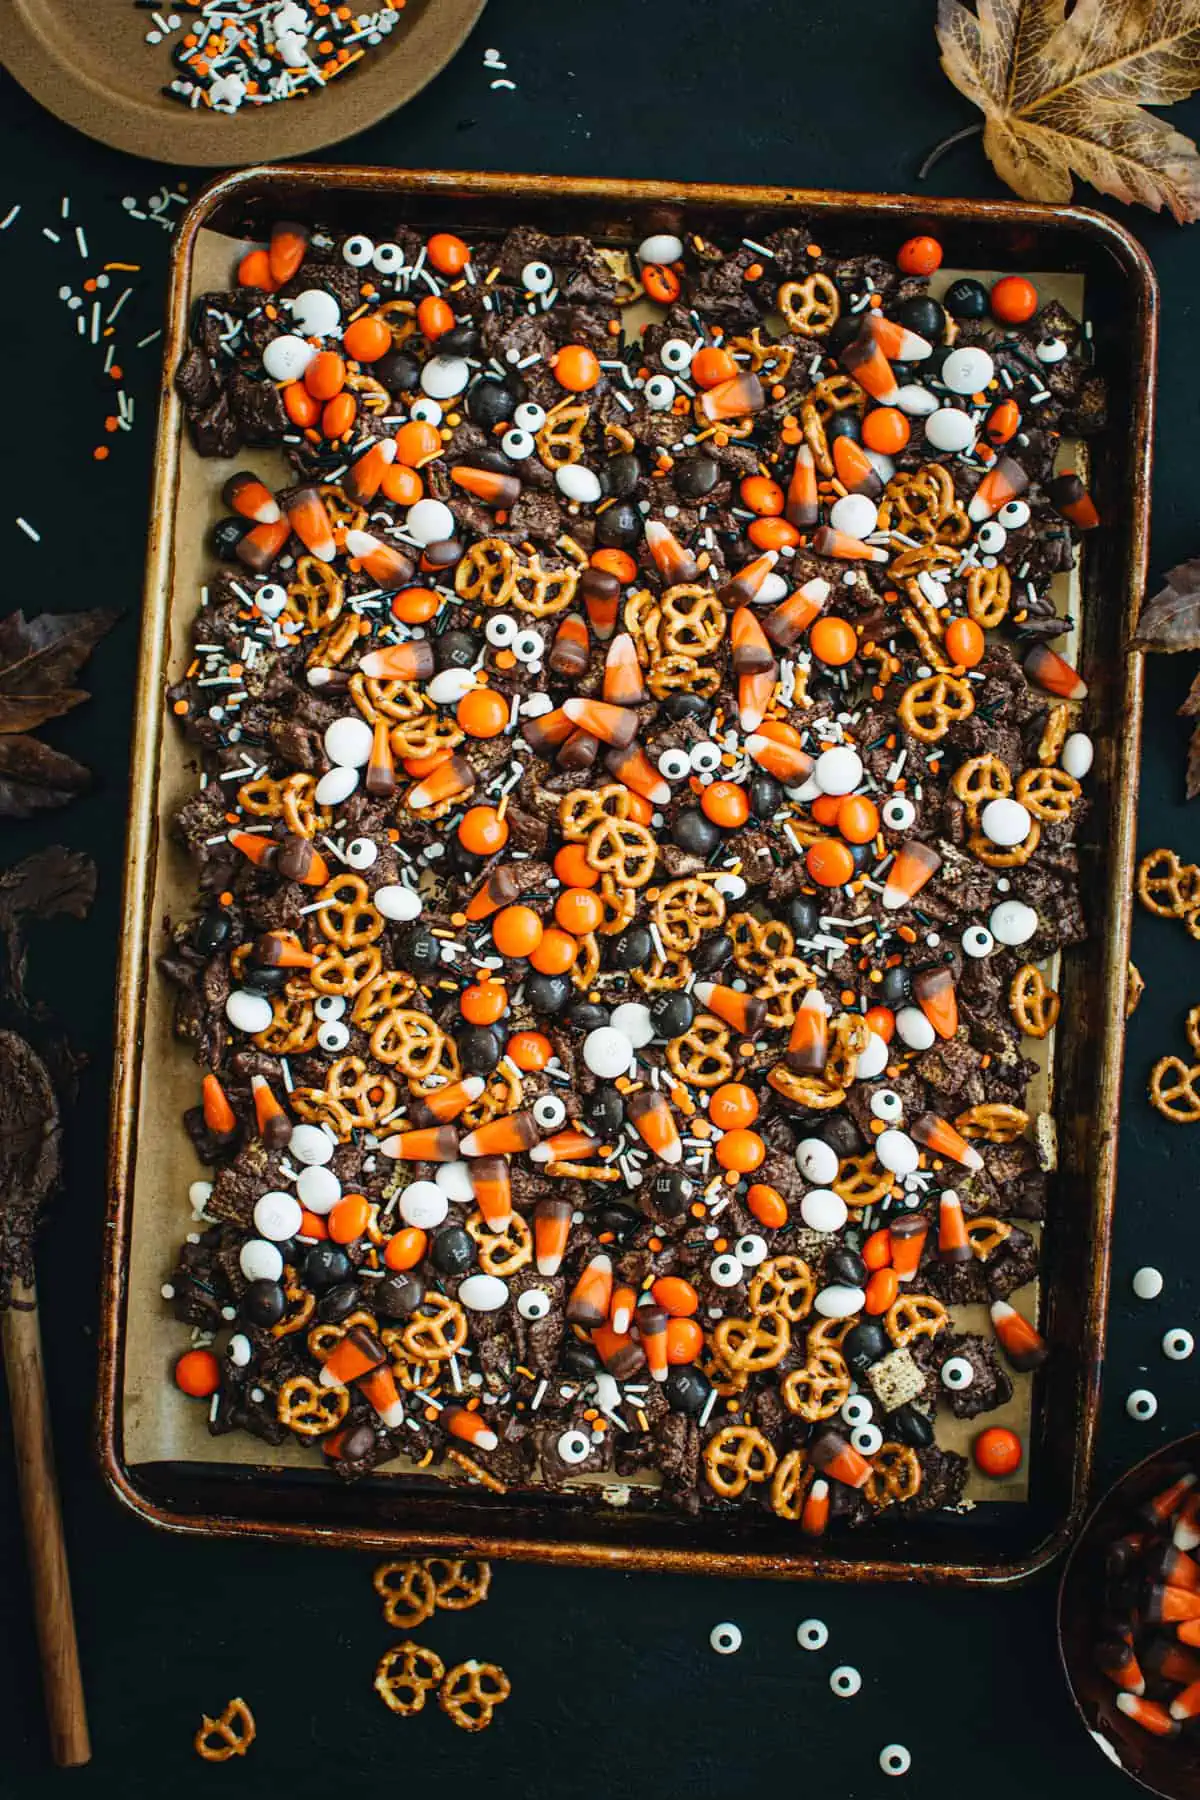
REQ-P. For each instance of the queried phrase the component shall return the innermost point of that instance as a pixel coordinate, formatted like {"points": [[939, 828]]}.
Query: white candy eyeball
{"points": [[271, 599], [426, 411], [845, 1681], [1178, 1344], [529, 416], [527, 647], [726, 1271], [895, 1759], [388, 258], [358, 251], [991, 537], [977, 940], [549, 1112], [660, 393], [676, 355], [333, 1036], [501, 630], [534, 1303], [898, 813], [751, 1250], [957, 1374], [705, 757], [362, 853], [329, 1006], [676, 765], [538, 277], [857, 1410], [1013, 514], [888, 1106], [573, 1447], [517, 444], [1141, 1405], [725, 1638], [812, 1634], [1050, 350], [866, 1439]]}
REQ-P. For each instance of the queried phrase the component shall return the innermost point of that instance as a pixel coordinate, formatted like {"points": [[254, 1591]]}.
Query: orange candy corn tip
{"points": [[362, 480], [1021, 1342], [412, 661], [614, 725], [854, 468], [654, 1122], [219, 1116], [914, 864], [673, 562], [732, 399], [623, 684], [865, 362], [591, 1296], [449, 781], [1054, 674], [470, 1427]]}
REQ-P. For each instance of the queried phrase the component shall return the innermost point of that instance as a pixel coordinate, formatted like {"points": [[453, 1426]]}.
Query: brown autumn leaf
{"points": [[1170, 619], [1062, 90], [34, 777], [39, 658]]}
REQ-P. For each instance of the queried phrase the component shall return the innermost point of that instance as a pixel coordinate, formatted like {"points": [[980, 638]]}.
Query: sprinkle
{"points": [[27, 528], [9, 216]]}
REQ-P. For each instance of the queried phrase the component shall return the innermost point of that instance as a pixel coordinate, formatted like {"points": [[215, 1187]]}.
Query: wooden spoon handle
{"points": [[46, 1550]]}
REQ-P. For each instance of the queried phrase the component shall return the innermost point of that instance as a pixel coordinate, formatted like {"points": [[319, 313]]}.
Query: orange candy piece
{"points": [[997, 1451], [877, 1250], [579, 910], [965, 643], [556, 952], [414, 605], [711, 366], [919, 256], [576, 368], [300, 406], [530, 1050], [834, 641], [401, 485], [882, 1290], [741, 1151], [516, 931], [618, 563], [886, 430], [676, 1296], [435, 317], [857, 818], [367, 339], [732, 1104], [825, 808], [685, 1340], [573, 868], [254, 271], [482, 831], [417, 442], [325, 375], [882, 1021], [198, 1373], [1013, 300], [661, 283], [349, 1218], [830, 862], [338, 415], [725, 803], [483, 713], [773, 534], [768, 1206], [762, 495], [406, 1249], [447, 253], [484, 1002]]}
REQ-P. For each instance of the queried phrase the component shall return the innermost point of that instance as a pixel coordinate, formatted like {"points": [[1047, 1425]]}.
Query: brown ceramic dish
{"points": [[91, 66], [994, 1542], [1166, 1766]]}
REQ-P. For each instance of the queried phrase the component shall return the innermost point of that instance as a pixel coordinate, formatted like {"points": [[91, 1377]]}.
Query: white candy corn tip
{"points": [[978, 510], [894, 897], [473, 1086], [393, 1416], [361, 543], [390, 1146], [704, 991], [1000, 1309], [750, 718], [655, 532], [971, 1158], [485, 1440]]}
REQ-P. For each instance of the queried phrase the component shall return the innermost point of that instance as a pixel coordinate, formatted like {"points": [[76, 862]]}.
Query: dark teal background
{"points": [[614, 1686]]}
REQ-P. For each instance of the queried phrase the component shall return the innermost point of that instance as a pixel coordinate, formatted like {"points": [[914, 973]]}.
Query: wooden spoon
{"points": [[29, 1166]]}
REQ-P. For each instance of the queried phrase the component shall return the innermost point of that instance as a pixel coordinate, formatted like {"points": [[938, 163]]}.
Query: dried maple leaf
{"points": [[38, 659], [43, 886], [1170, 619], [1062, 90]]}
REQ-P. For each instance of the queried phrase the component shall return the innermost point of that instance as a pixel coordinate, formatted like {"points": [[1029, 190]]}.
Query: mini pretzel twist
{"points": [[914, 1316], [580, 811], [623, 849], [405, 1675], [700, 1055], [930, 706], [680, 675], [980, 779], [560, 440], [988, 594], [661, 974], [230, 1734], [754, 1344], [408, 1041], [459, 1583], [786, 981], [471, 1693], [408, 1592], [805, 1090], [862, 1180], [758, 943], [811, 306], [346, 916], [502, 1095], [1054, 732], [344, 973], [316, 594], [1014, 856], [1049, 794], [293, 1029], [693, 621], [737, 1456], [1175, 1090], [619, 903], [820, 1389], [487, 573], [1033, 1004], [380, 997], [1167, 886], [790, 1484], [301, 1304], [324, 1338], [895, 1476], [985, 1234], [436, 1331], [377, 698], [367, 1097], [541, 593], [427, 736], [309, 1409], [685, 910], [784, 1285], [501, 1252], [994, 1122]]}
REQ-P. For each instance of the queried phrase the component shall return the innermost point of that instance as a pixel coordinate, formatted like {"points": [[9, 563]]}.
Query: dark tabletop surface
{"points": [[610, 1672]]}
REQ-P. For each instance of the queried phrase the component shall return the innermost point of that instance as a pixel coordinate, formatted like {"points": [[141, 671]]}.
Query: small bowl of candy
{"points": [[1129, 1622]]}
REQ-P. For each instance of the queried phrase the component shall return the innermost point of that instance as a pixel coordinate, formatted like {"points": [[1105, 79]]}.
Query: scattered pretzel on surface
{"points": [[230, 1734]]}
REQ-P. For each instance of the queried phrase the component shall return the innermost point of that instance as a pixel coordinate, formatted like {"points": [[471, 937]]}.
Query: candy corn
{"points": [[651, 1117], [623, 683], [431, 1143], [745, 1012], [245, 494], [571, 649], [786, 623], [471, 1427], [491, 1185], [673, 562], [614, 725], [364, 477], [387, 566], [634, 770], [506, 1136], [551, 1229], [1004, 481], [743, 587], [940, 1137], [411, 661], [802, 507], [308, 518], [451, 780], [1020, 1341], [913, 866], [590, 1298]]}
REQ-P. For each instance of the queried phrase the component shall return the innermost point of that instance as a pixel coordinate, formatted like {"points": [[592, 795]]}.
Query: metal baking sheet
{"points": [[156, 1448]]}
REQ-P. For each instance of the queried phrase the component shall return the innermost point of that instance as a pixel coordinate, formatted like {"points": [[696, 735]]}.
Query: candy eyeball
{"points": [[857, 1410], [537, 277], [1013, 514], [527, 647], [1178, 1344], [866, 1439], [361, 853], [676, 355], [358, 251], [426, 411], [333, 1036], [675, 764], [329, 1006], [1141, 1404], [888, 1106], [388, 258], [812, 1634], [726, 1271], [517, 444], [533, 1304], [898, 813], [660, 393], [529, 416], [845, 1681], [573, 1447], [271, 599], [725, 1638], [957, 1374], [548, 1112], [501, 631], [977, 940], [1050, 350], [751, 1250], [705, 757], [991, 537]]}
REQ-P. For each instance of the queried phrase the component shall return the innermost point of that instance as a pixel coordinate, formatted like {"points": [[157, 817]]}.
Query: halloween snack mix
{"points": [[638, 804]]}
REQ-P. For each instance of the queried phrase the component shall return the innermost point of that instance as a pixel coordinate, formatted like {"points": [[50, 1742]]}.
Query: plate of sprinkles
{"points": [[229, 82], [631, 749]]}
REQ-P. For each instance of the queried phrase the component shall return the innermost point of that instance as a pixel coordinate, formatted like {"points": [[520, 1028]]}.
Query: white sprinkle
{"points": [[27, 528], [9, 216], [115, 309], [52, 235], [142, 342], [82, 242]]}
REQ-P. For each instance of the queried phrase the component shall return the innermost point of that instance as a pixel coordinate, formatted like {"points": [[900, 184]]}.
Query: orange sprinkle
{"points": [[99, 454], [225, 897], [181, 706]]}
